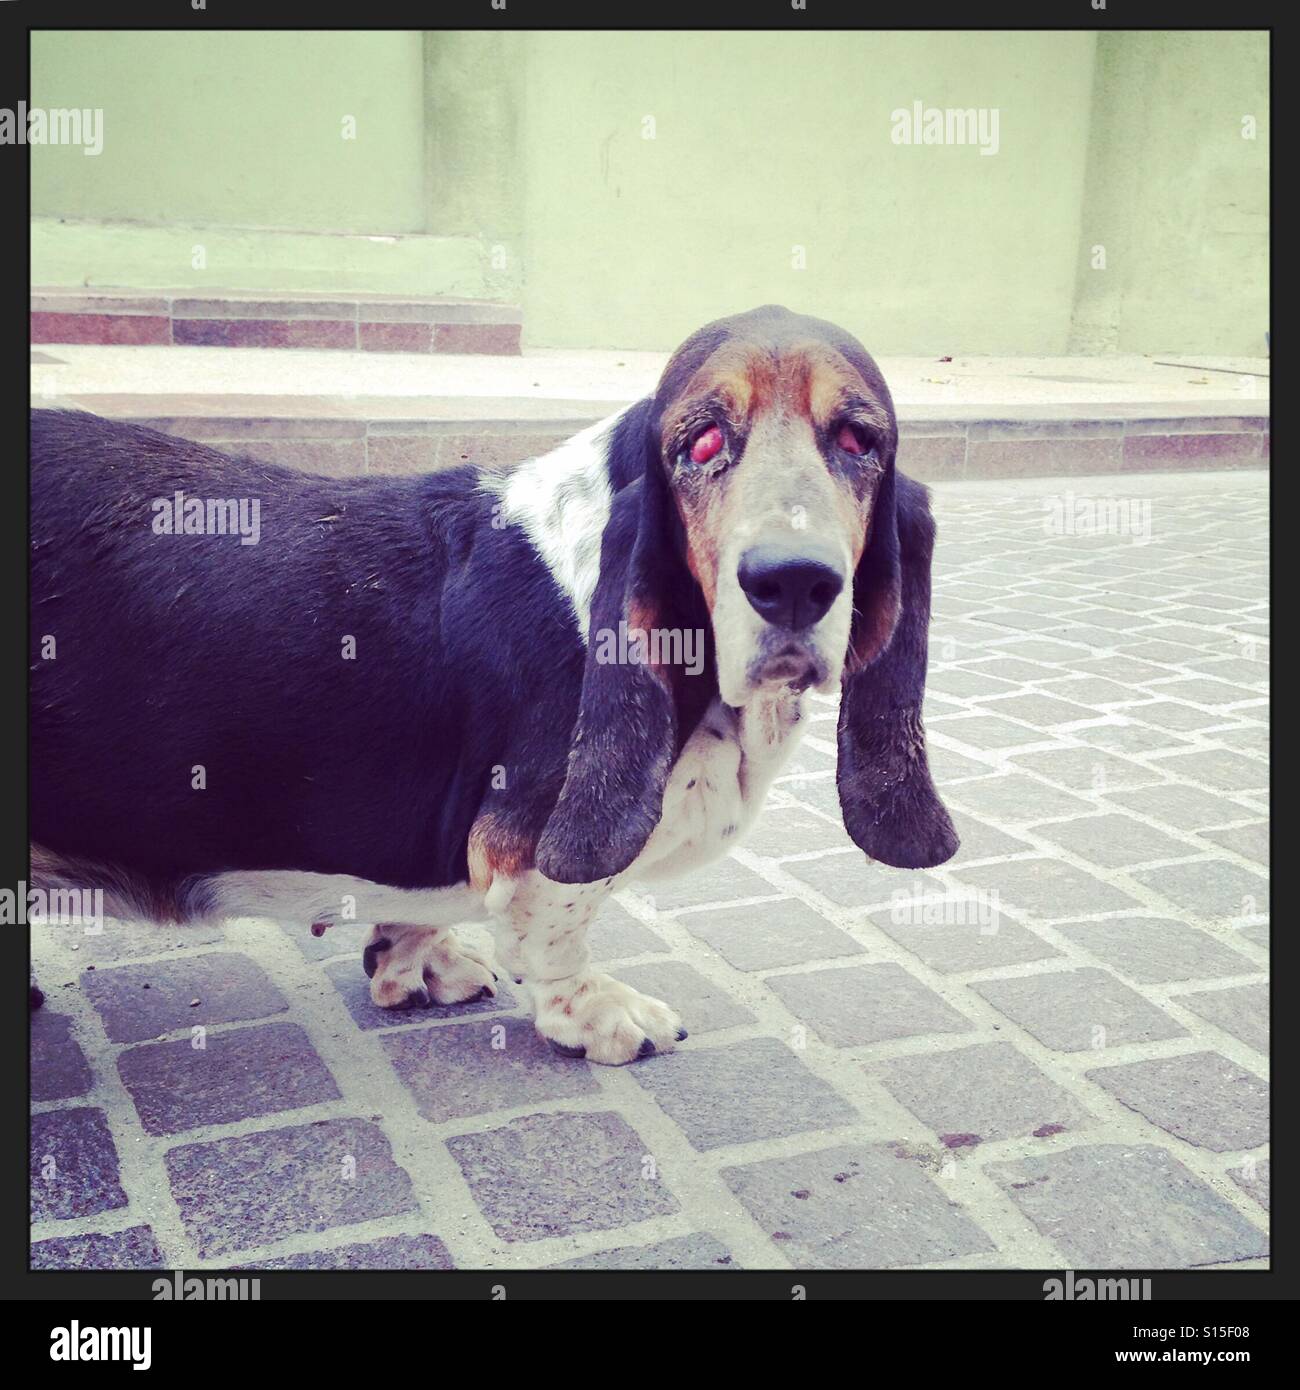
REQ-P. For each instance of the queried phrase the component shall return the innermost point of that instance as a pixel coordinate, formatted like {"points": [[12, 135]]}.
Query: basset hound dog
{"points": [[483, 695]]}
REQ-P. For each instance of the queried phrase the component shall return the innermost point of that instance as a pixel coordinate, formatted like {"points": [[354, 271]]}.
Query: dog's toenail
{"points": [[682, 1035], [646, 1048], [370, 956]]}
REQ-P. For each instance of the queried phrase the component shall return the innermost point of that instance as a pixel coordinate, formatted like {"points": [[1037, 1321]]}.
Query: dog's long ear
{"points": [[887, 796], [630, 712]]}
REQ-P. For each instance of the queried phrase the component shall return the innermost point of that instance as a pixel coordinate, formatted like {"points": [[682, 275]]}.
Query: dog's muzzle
{"points": [[791, 587]]}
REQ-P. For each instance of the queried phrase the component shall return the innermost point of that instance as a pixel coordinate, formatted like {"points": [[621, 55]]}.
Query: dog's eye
{"points": [[706, 445], [852, 439]]}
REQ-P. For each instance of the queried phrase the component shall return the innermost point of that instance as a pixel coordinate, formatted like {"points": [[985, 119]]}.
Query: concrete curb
{"points": [[344, 436]]}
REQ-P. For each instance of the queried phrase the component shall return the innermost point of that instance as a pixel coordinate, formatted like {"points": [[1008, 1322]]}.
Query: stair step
{"points": [[236, 318]]}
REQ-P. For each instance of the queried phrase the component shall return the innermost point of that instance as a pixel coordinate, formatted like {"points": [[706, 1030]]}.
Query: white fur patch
{"points": [[425, 964], [541, 938], [297, 898], [719, 782], [562, 502]]}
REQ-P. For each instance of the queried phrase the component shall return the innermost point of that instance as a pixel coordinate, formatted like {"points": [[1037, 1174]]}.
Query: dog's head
{"points": [[776, 436], [761, 502]]}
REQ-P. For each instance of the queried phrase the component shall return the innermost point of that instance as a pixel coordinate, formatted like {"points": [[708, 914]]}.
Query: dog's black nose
{"points": [[790, 586]]}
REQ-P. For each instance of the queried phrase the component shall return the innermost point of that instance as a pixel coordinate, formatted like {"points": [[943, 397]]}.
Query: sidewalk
{"points": [[1051, 1052], [349, 412]]}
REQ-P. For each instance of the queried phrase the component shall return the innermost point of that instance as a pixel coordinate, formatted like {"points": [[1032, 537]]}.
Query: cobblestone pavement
{"points": [[1050, 1052]]}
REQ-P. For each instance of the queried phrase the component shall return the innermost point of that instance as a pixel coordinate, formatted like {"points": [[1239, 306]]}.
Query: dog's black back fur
{"points": [[177, 651]]}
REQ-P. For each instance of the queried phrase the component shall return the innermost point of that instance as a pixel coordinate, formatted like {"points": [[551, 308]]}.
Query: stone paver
{"points": [[616, 934], [705, 1006], [59, 1069], [952, 946], [980, 840], [1258, 932], [1114, 841], [1014, 799], [142, 1001], [850, 880], [725, 881], [1072, 1013], [74, 1168], [1150, 949], [120, 941], [783, 831], [1086, 769], [1200, 1097], [1241, 1010], [1118, 1206], [1212, 890], [1181, 806], [1250, 841], [134, 1248], [860, 1004], [474, 1068], [1046, 888], [1071, 1010], [746, 1091], [973, 1095], [1253, 1178], [234, 1075], [765, 935], [854, 1207], [685, 1252], [388, 1252], [548, 1175], [253, 1188]]}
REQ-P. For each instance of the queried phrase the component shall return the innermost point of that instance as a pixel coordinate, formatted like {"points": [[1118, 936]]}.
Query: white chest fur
{"points": [[719, 783]]}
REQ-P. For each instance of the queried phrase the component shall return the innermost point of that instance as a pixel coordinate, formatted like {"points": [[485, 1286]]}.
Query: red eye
{"points": [[707, 445], [850, 440]]}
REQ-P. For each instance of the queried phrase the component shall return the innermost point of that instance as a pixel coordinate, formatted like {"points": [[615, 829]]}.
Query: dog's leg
{"points": [[413, 967], [412, 963], [541, 936]]}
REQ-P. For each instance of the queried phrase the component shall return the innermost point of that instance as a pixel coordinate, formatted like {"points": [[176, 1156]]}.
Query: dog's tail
{"points": [[128, 895]]}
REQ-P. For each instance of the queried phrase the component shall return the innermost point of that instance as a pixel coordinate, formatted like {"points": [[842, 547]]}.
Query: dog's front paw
{"points": [[594, 1016], [414, 967]]}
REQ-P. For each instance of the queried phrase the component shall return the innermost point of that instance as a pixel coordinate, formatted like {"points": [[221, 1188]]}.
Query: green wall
{"points": [[766, 142], [1176, 196], [518, 166], [238, 129]]}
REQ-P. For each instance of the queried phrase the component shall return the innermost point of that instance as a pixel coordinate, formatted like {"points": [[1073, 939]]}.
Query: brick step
{"points": [[343, 435], [235, 318]]}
